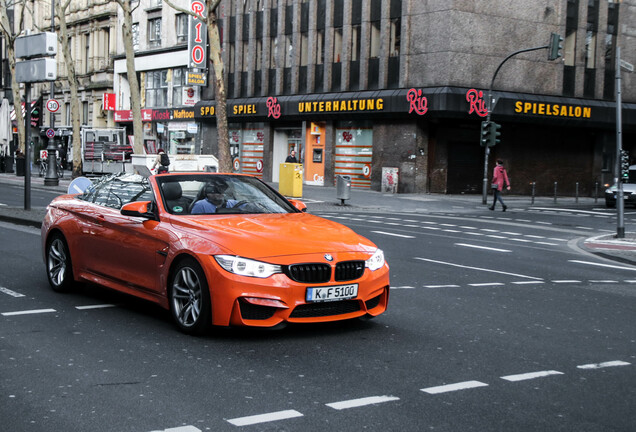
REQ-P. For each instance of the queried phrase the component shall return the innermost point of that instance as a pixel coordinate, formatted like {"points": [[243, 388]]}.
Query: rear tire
{"points": [[59, 269], [189, 298]]}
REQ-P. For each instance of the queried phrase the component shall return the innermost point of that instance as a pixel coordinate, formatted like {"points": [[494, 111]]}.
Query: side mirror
{"points": [[299, 205], [138, 209]]}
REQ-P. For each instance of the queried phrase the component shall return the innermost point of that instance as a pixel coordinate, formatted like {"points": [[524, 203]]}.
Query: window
{"points": [[156, 3], [85, 113], [320, 46], [87, 49], [355, 43], [178, 81], [182, 27], [154, 32], [394, 43], [375, 40], [337, 45], [157, 89], [135, 36]]}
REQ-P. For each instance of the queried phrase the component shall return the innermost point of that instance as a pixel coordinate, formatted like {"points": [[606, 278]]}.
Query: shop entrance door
{"points": [[465, 168], [286, 140]]}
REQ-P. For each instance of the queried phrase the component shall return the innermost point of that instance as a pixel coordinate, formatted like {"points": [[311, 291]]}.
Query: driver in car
{"points": [[214, 198]]}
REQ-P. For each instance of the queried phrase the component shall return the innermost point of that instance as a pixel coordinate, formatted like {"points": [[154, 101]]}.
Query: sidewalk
{"points": [[321, 198]]}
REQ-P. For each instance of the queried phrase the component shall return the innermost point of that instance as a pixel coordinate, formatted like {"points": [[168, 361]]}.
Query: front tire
{"points": [[59, 270], [190, 298]]}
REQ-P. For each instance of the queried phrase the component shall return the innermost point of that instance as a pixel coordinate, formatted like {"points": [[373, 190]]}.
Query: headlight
{"points": [[376, 261], [246, 267]]}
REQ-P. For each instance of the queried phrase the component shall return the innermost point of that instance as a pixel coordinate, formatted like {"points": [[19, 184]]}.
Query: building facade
{"points": [[389, 92]]}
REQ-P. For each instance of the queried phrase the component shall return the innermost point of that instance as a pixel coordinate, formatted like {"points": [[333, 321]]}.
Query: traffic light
{"points": [[555, 47], [624, 165], [485, 134], [493, 137]]}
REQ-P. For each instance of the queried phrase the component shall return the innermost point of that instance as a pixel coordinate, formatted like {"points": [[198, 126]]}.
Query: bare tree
{"points": [[216, 58], [135, 98], [10, 37]]}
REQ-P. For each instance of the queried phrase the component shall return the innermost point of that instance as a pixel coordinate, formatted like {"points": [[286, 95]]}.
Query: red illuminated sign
{"points": [[476, 101], [417, 102]]}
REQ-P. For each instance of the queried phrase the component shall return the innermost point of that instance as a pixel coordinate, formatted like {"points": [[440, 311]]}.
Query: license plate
{"points": [[340, 292]]}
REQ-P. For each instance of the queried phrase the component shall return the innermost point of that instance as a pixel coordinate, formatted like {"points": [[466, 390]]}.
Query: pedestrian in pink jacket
{"points": [[499, 181]]}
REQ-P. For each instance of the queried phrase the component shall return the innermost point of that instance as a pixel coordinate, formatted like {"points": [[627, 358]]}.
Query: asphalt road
{"points": [[496, 322]]}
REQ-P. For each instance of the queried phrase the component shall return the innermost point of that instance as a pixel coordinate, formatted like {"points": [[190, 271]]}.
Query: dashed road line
{"points": [[530, 375], [264, 418], [482, 247], [477, 268], [98, 306], [454, 387], [355, 403], [28, 312], [393, 234], [10, 292], [603, 365]]}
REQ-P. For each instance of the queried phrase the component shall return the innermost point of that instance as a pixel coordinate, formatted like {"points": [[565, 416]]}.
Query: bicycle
{"points": [[44, 166]]}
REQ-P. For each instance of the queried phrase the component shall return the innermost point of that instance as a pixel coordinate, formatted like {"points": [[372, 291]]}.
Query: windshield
{"points": [[219, 194]]}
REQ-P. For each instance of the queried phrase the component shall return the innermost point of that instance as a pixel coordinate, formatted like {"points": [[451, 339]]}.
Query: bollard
{"points": [[534, 187], [576, 199], [555, 192], [595, 192]]}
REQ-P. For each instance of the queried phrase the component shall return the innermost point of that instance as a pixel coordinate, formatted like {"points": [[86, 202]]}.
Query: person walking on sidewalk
{"points": [[499, 181]]}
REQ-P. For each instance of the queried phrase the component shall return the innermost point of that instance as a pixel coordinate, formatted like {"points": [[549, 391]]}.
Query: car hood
{"points": [[270, 235]]}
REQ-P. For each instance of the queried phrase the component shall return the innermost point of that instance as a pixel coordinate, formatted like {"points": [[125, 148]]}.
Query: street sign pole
{"points": [[51, 178], [27, 147], [620, 204]]}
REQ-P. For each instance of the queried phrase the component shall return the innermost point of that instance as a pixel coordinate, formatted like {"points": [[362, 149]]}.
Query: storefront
{"points": [[423, 140]]}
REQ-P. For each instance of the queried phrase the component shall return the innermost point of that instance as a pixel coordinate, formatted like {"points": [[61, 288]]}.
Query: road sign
{"points": [[50, 133], [52, 105]]}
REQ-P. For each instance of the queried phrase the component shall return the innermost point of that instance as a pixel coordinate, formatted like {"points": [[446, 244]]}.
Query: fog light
{"points": [[266, 302]]}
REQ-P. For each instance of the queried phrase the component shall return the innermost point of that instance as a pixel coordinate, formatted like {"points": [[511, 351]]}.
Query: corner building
{"points": [[393, 92]]}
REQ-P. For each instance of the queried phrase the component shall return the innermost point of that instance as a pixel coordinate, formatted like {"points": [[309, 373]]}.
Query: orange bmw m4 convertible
{"points": [[214, 249]]}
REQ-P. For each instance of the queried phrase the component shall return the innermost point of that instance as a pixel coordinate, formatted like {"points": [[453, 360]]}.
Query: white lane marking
{"points": [[496, 236], [603, 281], [562, 281], [603, 365], [531, 375], [98, 306], [188, 428], [441, 286], [477, 268], [403, 287], [528, 282], [263, 418], [486, 284], [602, 265], [534, 236], [393, 234], [11, 293], [630, 281], [482, 247], [546, 243], [521, 240], [454, 387], [355, 403], [28, 312]]}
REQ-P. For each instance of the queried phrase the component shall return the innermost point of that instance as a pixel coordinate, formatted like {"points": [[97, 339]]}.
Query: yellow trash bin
{"points": [[290, 180]]}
